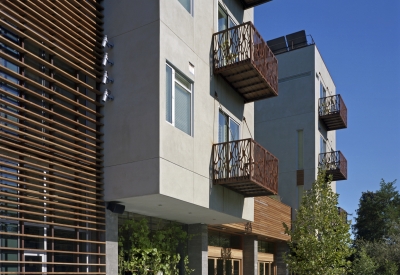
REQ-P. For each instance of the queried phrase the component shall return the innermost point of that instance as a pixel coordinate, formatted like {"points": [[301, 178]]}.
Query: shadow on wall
{"points": [[222, 199]]}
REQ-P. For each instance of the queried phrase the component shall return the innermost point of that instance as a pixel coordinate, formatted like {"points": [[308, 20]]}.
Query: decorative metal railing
{"points": [[332, 105], [245, 161], [332, 161], [244, 43]]}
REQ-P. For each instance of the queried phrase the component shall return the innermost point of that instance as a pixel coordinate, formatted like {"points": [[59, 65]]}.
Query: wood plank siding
{"points": [[52, 214], [269, 214]]}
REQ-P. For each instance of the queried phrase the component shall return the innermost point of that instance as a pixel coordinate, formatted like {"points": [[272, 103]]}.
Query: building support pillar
{"points": [[250, 255], [198, 249], [111, 243]]}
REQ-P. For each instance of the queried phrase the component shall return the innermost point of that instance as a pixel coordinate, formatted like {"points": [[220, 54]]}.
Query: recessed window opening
{"points": [[179, 92]]}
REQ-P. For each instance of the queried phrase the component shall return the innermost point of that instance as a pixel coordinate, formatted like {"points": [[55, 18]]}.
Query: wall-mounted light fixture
{"points": [[105, 60], [105, 43], [106, 79], [107, 96]]}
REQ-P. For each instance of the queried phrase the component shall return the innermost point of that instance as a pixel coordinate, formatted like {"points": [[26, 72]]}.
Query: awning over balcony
{"points": [[333, 112], [245, 167], [335, 164], [247, 4], [243, 59]]}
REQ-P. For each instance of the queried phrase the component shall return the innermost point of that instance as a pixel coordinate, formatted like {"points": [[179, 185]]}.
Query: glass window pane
{"points": [[222, 128], [210, 266], [183, 81], [182, 109], [186, 4], [234, 130], [168, 84], [300, 164], [261, 271], [222, 20], [228, 267]]}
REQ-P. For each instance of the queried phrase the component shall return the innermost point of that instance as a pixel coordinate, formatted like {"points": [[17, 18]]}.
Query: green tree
{"points": [[320, 239], [378, 213], [378, 257], [142, 251]]}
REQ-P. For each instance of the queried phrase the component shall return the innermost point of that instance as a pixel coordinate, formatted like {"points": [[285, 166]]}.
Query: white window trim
{"points": [[174, 80]]}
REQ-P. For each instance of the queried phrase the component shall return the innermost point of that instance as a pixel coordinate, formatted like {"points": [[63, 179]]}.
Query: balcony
{"points": [[333, 112], [245, 167], [335, 164], [247, 4], [244, 60]]}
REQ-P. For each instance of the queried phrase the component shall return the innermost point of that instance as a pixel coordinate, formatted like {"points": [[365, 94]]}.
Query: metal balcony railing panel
{"points": [[335, 164], [245, 167], [333, 112], [243, 58]]}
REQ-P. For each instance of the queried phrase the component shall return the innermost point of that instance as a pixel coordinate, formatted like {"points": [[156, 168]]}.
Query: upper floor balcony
{"points": [[335, 164], [333, 112], [245, 167], [247, 4], [244, 60]]}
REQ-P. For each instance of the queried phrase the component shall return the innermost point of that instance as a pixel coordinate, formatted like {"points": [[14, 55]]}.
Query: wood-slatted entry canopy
{"points": [[269, 214], [52, 216]]}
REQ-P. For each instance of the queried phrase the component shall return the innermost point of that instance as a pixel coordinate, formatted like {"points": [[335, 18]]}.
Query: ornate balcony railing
{"points": [[335, 164], [243, 58], [245, 167], [247, 4], [333, 112]]}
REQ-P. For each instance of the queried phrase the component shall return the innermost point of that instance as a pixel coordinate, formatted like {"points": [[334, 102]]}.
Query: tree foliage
{"points": [[320, 239], [377, 232], [142, 251], [378, 214]]}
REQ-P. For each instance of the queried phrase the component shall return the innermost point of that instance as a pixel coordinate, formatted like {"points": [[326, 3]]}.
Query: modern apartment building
{"points": [[145, 107], [299, 126]]}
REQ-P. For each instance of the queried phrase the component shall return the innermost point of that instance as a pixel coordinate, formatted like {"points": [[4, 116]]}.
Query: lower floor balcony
{"points": [[335, 164], [245, 167]]}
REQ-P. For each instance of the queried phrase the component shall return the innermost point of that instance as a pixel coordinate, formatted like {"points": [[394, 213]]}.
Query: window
{"points": [[300, 162], [228, 129], [224, 21], [178, 100], [188, 5], [322, 145]]}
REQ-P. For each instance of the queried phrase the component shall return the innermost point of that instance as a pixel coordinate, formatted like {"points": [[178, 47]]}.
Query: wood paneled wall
{"points": [[52, 216], [269, 214]]}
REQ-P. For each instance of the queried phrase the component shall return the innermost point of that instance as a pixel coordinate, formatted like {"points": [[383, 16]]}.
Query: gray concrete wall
{"points": [[111, 243], [131, 121], [143, 153], [278, 119]]}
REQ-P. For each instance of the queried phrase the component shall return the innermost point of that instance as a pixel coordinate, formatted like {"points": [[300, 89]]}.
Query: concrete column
{"points": [[281, 249], [111, 243], [250, 255], [198, 249]]}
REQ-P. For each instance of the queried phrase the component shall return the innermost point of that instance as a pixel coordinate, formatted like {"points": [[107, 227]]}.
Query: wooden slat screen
{"points": [[269, 214], [52, 214]]}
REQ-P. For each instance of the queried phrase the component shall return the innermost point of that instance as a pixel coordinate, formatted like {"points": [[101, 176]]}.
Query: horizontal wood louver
{"points": [[52, 214]]}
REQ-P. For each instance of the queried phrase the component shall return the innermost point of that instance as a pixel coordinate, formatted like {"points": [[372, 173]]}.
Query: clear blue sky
{"points": [[360, 43]]}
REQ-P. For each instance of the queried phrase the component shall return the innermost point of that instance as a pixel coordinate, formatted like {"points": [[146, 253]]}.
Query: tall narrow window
{"points": [[188, 5], [228, 129], [322, 145], [300, 157], [178, 100], [322, 91]]}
